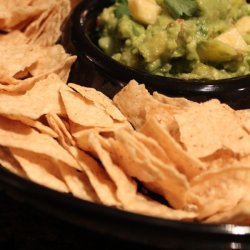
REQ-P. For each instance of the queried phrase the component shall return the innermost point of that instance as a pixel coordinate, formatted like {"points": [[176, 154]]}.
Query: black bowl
{"points": [[94, 68]]}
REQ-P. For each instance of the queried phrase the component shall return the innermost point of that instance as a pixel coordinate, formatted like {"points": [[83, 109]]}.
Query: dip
{"points": [[187, 39]]}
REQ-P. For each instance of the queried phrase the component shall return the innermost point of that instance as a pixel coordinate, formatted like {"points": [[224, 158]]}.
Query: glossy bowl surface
{"points": [[94, 68]]}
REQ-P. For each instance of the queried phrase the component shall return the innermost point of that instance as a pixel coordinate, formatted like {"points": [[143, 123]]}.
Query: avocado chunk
{"points": [[214, 51]]}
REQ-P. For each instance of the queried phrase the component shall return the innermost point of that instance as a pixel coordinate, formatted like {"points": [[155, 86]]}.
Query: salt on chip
{"points": [[184, 162], [83, 112], [203, 131], [39, 169], [32, 104]]}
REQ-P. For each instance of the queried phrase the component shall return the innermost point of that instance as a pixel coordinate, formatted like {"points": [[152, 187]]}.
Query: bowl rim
{"points": [[85, 46]]}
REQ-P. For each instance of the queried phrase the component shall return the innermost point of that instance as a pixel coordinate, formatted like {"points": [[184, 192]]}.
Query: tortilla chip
{"points": [[183, 161], [40, 169], [137, 161], [126, 187], [40, 20], [137, 112], [100, 181], [10, 163], [23, 64], [59, 127], [42, 128], [153, 146], [13, 38], [7, 81], [15, 12], [100, 101], [83, 112], [224, 158], [31, 104], [146, 206], [239, 215], [63, 69], [219, 190], [203, 132], [18, 57], [177, 102], [46, 29], [17, 86], [50, 59], [77, 183], [244, 117], [14, 134], [132, 100], [97, 178], [81, 134]]}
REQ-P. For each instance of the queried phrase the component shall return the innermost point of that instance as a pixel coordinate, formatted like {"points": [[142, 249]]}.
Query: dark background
{"points": [[23, 228]]}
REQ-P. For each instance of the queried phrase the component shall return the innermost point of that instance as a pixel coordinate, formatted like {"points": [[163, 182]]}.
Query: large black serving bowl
{"points": [[94, 68]]}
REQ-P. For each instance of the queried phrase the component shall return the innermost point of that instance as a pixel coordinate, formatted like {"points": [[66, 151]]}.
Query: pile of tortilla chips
{"points": [[74, 139]]}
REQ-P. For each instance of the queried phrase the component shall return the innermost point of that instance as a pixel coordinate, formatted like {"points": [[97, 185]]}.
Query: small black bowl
{"points": [[94, 68]]}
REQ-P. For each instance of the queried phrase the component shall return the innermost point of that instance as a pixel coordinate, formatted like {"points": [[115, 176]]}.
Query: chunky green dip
{"points": [[187, 39]]}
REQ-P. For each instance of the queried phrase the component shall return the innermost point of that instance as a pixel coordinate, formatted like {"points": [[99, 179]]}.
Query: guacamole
{"points": [[187, 39]]}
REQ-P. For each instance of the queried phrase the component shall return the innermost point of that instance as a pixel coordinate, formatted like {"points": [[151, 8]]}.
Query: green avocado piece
{"points": [[214, 51]]}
